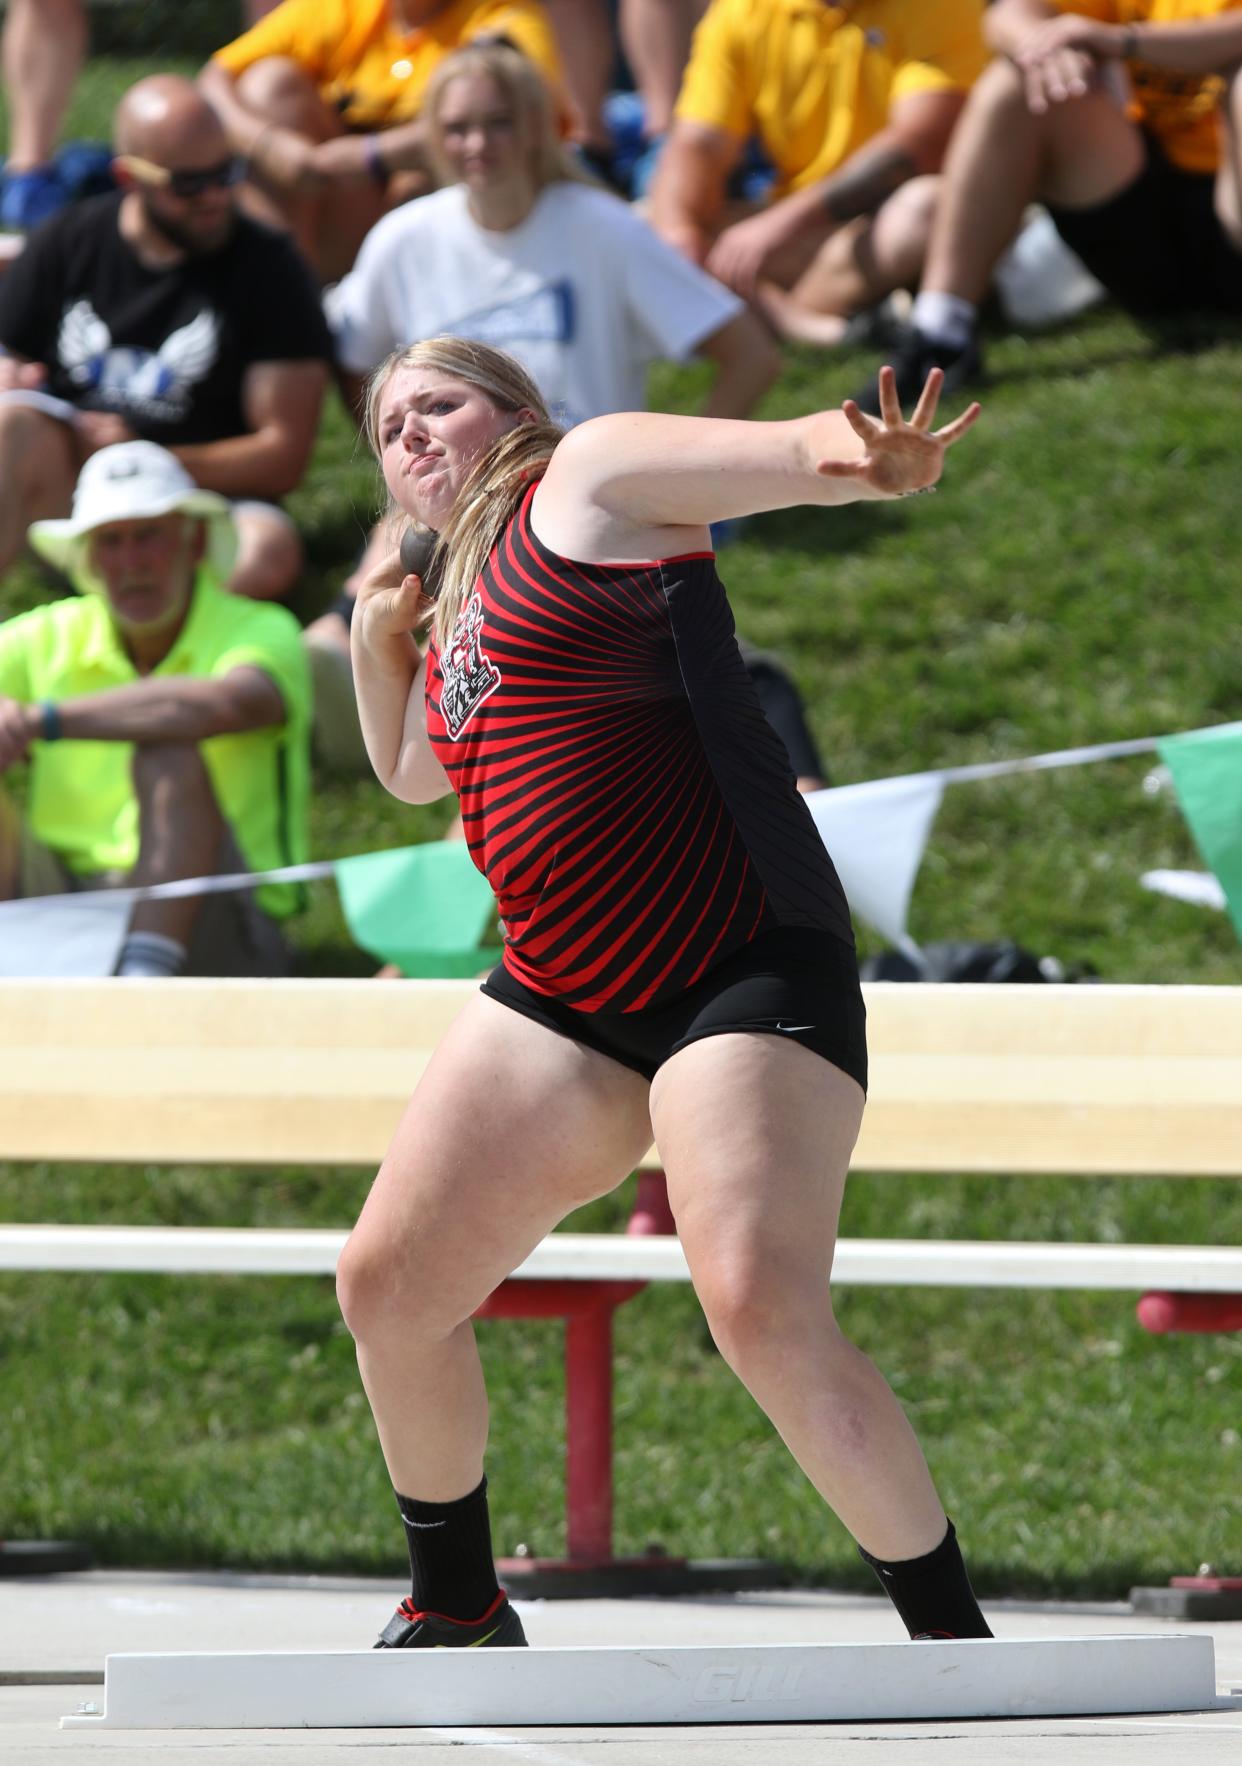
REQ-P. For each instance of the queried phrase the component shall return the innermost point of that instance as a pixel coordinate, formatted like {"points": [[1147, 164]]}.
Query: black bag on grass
{"points": [[964, 959]]}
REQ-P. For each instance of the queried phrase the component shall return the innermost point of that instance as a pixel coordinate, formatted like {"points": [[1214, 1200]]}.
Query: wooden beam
{"points": [[1130, 1080]]}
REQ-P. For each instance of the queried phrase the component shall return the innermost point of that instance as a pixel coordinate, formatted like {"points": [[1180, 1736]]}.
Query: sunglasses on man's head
{"points": [[184, 183]]}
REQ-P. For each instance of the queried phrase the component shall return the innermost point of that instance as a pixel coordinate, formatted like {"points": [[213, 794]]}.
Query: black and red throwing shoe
{"points": [[410, 1628]]}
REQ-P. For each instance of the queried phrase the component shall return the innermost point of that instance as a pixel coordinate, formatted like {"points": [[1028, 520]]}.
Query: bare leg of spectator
{"points": [[588, 52], [38, 470], [1002, 157], [10, 847], [269, 553], [1229, 177], [337, 731], [181, 833], [655, 35], [860, 264], [328, 226], [1078, 154], [44, 46]]}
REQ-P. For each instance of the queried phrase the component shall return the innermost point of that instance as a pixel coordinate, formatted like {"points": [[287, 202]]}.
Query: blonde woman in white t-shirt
{"points": [[520, 249]]}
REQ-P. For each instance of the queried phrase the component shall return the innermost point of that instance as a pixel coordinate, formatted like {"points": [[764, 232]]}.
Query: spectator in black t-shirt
{"points": [[163, 313]]}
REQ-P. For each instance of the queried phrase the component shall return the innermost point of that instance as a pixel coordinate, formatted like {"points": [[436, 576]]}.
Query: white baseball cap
{"points": [[132, 481]]}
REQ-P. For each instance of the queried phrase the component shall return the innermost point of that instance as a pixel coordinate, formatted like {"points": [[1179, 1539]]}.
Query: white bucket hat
{"points": [[132, 481]]}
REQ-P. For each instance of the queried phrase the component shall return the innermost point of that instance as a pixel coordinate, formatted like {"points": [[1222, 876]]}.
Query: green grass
{"points": [[1074, 581]]}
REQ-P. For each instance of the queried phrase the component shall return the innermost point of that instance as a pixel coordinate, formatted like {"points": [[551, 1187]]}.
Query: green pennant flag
{"points": [[1207, 775], [424, 908]]}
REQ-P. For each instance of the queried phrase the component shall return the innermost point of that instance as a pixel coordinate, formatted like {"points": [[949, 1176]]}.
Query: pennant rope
{"points": [[182, 886], [996, 769]]}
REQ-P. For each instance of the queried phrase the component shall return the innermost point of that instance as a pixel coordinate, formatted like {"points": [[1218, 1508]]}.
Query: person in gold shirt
{"points": [[854, 105], [323, 97], [1123, 117]]}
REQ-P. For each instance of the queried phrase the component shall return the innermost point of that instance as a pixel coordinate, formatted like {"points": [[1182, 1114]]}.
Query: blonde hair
{"points": [[498, 481], [527, 94]]}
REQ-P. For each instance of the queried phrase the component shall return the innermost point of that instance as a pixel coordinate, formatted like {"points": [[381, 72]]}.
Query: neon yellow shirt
{"points": [[371, 72], [80, 802], [1180, 110], [815, 82]]}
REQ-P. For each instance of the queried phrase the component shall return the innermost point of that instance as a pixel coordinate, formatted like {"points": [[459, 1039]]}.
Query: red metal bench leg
{"points": [[1160, 1313], [589, 1567], [588, 1434]]}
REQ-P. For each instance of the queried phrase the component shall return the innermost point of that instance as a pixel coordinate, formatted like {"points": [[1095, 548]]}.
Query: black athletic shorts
{"points": [[794, 983], [1157, 245]]}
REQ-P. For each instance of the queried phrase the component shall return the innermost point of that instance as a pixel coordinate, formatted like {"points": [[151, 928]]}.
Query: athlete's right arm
{"points": [[388, 679]]}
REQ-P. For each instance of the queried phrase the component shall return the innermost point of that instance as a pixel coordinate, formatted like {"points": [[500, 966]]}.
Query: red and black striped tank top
{"points": [[621, 790]]}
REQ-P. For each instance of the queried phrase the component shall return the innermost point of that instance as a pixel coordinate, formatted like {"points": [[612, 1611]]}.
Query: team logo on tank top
{"points": [[469, 676]]}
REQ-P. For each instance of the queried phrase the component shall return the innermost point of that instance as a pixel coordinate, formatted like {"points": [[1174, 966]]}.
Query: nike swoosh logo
{"points": [[477, 1644], [423, 1525], [792, 1029]]}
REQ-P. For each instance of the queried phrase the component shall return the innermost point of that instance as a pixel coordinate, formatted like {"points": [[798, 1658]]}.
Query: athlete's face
{"points": [[432, 430]]}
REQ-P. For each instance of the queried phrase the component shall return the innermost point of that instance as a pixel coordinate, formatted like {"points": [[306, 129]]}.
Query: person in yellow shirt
{"points": [[854, 105], [164, 721], [1124, 117], [323, 97]]}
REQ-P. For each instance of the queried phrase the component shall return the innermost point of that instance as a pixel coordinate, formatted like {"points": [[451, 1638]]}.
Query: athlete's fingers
{"points": [[860, 422], [954, 431], [929, 398], [890, 404]]}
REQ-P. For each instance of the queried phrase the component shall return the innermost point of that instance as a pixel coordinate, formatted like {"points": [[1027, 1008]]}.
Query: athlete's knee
{"points": [[383, 1290], [362, 1287], [757, 1302]]}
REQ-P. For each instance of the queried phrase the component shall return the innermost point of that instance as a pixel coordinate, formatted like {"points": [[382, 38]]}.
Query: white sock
{"points": [[151, 954], [944, 318]]}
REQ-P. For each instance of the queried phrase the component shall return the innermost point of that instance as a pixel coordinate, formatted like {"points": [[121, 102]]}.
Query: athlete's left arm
{"points": [[644, 470], [1193, 46]]}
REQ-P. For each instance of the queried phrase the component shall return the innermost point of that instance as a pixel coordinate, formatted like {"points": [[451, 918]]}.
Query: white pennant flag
{"points": [[60, 935], [876, 833]]}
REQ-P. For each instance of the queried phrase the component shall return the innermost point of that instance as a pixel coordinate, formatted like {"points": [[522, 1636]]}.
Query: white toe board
{"points": [[789, 1683]]}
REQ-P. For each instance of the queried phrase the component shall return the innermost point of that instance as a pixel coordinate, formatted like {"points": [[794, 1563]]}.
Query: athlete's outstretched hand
{"points": [[900, 457]]}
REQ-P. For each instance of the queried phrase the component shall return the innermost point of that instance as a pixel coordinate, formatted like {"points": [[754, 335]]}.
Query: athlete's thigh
{"points": [[510, 1127], [755, 1134]]}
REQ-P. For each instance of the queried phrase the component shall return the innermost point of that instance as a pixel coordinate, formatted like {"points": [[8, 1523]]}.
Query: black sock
{"points": [[451, 1565], [932, 1593]]}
